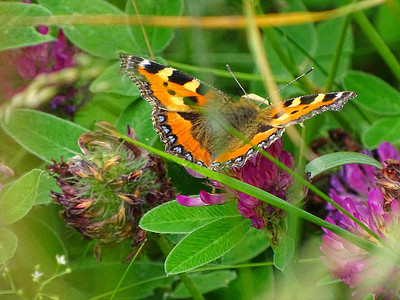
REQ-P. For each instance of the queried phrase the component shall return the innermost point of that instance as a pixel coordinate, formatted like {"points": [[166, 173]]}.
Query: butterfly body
{"points": [[194, 119]]}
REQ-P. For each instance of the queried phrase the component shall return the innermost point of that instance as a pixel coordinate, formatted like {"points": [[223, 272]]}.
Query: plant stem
{"points": [[380, 45], [337, 54], [186, 280]]}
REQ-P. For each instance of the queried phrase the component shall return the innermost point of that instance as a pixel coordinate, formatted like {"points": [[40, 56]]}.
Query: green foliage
{"points": [[8, 242], [326, 162], [43, 135], [103, 41], [206, 283], [19, 198], [284, 253], [206, 244], [174, 218], [12, 36]]}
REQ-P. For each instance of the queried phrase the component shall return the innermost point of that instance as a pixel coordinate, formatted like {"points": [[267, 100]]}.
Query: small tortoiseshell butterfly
{"points": [[189, 114]]}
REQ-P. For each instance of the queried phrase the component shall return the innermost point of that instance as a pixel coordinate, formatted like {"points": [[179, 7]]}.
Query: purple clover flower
{"points": [[368, 195], [18, 67], [259, 172]]}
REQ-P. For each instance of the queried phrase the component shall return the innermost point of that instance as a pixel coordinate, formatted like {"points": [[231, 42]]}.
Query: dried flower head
{"points": [[107, 190]]}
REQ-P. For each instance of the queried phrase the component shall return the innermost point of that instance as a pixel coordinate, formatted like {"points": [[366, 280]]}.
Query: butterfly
{"points": [[192, 117]]}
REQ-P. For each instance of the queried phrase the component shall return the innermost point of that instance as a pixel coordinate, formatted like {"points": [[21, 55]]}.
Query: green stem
{"points": [[186, 280], [300, 180], [337, 54], [217, 72], [46, 282], [256, 192], [286, 61], [374, 37], [319, 193], [126, 271], [305, 53]]}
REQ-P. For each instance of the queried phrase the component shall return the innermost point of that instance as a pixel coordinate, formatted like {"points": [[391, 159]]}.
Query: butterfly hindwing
{"points": [[184, 134], [263, 139]]}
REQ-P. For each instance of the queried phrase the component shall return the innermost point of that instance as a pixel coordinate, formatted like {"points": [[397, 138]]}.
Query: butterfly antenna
{"points": [[287, 84], [237, 81]]}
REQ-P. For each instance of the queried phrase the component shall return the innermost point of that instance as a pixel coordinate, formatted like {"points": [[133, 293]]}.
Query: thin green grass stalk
{"points": [[286, 61], [130, 286], [337, 54], [126, 272], [296, 192], [143, 29], [306, 54], [85, 252], [217, 72], [257, 48], [301, 180], [380, 45], [223, 73], [319, 193], [256, 192]]}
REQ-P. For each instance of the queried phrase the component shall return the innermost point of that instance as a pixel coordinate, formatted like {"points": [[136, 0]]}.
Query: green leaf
{"points": [[254, 243], [158, 37], [12, 36], [103, 41], [332, 160], [8, 244], [138, 116], [386, 129], [284, 253], [44, 135], [385, 21], [205, 283], [102, 107], [374, 94], [46, 184], [112, 81], [172, 217], [19, 198], [369, 297], [206, 244]]}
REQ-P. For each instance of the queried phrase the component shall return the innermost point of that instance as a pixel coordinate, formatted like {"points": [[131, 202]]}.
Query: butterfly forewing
{"points": [[296, 110]]}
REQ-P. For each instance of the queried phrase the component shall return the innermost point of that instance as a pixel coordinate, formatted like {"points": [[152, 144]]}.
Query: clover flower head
{"points": [[372, 197]]}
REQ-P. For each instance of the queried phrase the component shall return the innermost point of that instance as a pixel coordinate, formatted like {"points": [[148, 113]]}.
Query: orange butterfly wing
{"points": [[183, 116]]}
